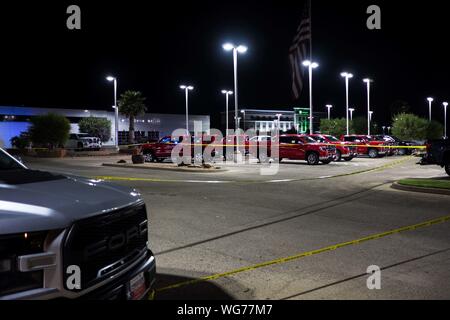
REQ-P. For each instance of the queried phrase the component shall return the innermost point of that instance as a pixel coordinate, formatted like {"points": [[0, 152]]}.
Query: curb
{"points": [[401, 187], [175, 169]]}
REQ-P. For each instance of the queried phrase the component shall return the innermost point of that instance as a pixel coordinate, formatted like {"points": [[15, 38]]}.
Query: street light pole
{"points": [[116, 112], [329, 106], [243, 119], [311, 65], [368, 82], [430, 101], [186, 91], [227, 93], [445, 104], [347, 76], [351, 113], [236, 50], [278, 115]]}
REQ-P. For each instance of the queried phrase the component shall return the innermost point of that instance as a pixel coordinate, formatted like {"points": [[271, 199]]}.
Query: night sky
{"points": [[154, 47]]}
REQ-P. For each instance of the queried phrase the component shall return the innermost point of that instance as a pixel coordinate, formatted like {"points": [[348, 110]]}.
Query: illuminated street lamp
{"points": [[329, 107], [278, 115], [445, 104], [430, 101], [347, 76], [227, 93], [236, 50], [351, 113], [116, 111], [311, 65], [186, 91], [368, 82], [243, 123]]}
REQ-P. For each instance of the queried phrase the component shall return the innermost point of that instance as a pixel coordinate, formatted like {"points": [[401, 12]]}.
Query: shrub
{"points": [[50, 130], [407, 126], [96, 127], [335, 127]]}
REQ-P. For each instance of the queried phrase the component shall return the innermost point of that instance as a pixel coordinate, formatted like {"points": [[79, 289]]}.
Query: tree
{"points": [[50, 130], [407, 126], [359, 125], [435, 130], [131, 104], [335, 127], [96, 127]]}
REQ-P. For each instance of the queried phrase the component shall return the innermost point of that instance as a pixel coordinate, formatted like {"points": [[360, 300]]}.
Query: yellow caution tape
{"points": [[306, 254]]}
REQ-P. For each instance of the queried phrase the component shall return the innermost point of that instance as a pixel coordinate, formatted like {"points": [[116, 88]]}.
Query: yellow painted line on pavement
{"points": [[306, 254], [383, 167]]}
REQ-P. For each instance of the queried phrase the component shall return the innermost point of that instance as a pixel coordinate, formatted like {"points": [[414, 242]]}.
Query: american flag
{"points": [[299, 50]]}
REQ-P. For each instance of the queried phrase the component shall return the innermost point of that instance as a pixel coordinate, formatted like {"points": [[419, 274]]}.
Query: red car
{"points": [[367, 145], [344, 150], [301, 147], [161, 150]]}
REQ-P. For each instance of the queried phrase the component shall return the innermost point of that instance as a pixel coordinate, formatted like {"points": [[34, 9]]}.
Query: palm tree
{"points": [[131, 104]]}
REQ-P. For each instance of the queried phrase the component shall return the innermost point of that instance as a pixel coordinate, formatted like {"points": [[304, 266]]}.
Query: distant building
{"points": [[265, 120], [14, 120]]}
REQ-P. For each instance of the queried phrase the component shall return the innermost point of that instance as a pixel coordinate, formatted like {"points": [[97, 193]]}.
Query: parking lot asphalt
{"points": [[293, 235]]}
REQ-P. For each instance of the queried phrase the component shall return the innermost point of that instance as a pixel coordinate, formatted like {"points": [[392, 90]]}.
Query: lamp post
{"points": [[236, 49], [445, 104], [238, 120], [243, 123], [351, 113], [116, 112], [368, 82], [278, 115], [329, 107], [186, 91], [430, 101], [389, 130], [384, 128], [311, 65], [227, 93], [347, 76]]}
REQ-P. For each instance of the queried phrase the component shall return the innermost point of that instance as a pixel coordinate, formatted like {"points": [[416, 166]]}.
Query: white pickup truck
{"points": [[70, 237], [83, 141]]}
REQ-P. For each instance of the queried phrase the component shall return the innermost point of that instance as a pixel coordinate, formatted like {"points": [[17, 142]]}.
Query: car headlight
{"points": [[12, 280]]}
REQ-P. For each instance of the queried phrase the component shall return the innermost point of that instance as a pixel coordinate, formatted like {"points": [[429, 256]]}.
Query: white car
{"points": [[83, 141]]}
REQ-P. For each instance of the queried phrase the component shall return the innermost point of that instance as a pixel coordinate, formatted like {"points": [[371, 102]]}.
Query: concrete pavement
{"points": [[211, 223]]}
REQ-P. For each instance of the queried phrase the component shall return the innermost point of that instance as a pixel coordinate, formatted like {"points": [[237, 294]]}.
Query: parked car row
{"points": [[313, 149]]}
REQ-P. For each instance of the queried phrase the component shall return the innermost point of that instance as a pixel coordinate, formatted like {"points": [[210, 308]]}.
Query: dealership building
{"points": [[264, 121], [15, 120]]}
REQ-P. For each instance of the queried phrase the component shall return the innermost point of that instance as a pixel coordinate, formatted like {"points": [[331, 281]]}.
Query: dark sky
{"points": [[155, 46]]}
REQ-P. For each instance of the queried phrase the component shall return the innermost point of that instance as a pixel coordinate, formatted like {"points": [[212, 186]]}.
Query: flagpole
{"points": [[310, 28]]}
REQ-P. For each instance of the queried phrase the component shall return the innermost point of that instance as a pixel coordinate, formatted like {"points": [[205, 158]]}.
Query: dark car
{"points": [[438, 152], [404, 146]]}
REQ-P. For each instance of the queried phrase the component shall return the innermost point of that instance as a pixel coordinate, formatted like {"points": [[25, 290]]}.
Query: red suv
{"points": [[161, 150], [367, 145], [344, 150], [301, 147]]}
